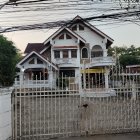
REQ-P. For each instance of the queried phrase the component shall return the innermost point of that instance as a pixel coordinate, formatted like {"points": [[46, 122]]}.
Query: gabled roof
{"points": [[37, 47], [62, 29], [78, 19], [41, 57]]}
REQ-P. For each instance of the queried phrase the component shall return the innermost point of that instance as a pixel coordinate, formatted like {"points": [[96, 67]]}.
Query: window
{"points": [[81, 28], [96, 54], [74, 28], [67, 73], [39, 61], [56, 54], [73, 53], [84, 53], [65, 53], [32, 61], [61, 36], [96, 51], [68, 36]]}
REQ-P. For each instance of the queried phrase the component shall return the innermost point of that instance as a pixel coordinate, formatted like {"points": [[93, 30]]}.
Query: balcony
{"points": [[101, 61], [66, 62]]}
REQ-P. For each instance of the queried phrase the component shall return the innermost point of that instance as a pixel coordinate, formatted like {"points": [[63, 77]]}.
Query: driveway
{"points": [[133, 136]]}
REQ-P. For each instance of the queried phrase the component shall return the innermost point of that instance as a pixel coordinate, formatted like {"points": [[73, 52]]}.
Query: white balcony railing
{"points": [[65, 61], [102, 61]]}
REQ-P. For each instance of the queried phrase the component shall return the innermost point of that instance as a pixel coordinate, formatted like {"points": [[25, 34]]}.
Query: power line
{"points": [[68, 22]]}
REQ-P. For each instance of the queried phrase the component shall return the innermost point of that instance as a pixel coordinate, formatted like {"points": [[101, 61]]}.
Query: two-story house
{"points": [[77, 51]]}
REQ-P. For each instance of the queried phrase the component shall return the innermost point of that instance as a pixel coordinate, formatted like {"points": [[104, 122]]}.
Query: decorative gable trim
{"points": [[41, 57], [58, 32]]}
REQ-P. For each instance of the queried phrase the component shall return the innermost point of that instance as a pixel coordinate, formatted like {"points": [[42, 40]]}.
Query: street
{"points": [[134, 136]]}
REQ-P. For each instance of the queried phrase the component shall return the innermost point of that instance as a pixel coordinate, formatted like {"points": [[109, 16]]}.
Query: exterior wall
{"points": [[93, 39], [5, 113]]}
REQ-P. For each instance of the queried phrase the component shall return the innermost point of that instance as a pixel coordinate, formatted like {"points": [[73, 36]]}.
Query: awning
{"points": [[93, 71]]}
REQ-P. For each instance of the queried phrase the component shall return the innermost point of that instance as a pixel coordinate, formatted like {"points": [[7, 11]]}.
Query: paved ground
{"points": [[135, 136]]}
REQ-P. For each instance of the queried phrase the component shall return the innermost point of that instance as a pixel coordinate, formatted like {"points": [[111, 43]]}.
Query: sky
{"points": [[123, 33]]}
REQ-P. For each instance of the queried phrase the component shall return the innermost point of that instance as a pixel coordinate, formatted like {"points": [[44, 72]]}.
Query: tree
{"points": [[9, 56], [126, 55]]}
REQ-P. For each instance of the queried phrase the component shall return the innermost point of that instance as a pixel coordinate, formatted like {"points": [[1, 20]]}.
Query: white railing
{"points": [[37, 82], [32, 83], [99, 60], [65, 61]]}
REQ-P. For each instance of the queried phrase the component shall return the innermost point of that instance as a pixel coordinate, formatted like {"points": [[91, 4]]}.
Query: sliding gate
{"points": [[43, 113]]}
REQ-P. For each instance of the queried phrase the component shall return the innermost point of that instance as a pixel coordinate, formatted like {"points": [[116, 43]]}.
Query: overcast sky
{"points": [[122, 33]]}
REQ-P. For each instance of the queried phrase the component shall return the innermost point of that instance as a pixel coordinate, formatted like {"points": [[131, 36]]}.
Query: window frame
{"points": [[81, 29], [96, 51], [56, 51], [74, 27], [87, 53], [65, 52], [75, 53], [38, 61], [68, 73]]}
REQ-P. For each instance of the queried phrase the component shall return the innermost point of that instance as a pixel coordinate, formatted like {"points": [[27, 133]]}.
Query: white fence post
{"points": [[134, 91]]}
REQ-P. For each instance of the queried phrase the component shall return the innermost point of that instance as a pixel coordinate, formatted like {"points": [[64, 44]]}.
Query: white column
{"points": [[61, 54], [21, 76], [106, 78], [78, 55], [69, 53], [50, 79], [80, 82], [105, 53]]}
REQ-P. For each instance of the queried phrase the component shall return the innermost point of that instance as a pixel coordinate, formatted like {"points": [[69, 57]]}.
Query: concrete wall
{"points": [[5, 113]]}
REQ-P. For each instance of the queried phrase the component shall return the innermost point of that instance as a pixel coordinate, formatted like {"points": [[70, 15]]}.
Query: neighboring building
{"points": [[133, 69], [77, 50]]}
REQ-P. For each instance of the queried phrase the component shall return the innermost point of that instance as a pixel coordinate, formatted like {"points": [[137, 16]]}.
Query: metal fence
{"points": [[41, 113]]}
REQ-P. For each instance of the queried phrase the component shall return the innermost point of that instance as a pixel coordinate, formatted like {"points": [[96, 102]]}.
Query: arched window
{"points": [[96, 51], [84, 53]]}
